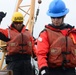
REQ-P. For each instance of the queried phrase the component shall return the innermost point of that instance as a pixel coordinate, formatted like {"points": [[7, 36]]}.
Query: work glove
{"points": [[2, 15], [44, 71]]}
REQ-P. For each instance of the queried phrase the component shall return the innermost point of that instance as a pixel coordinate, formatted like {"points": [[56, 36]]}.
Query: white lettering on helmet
{"points": [[18, 18]]}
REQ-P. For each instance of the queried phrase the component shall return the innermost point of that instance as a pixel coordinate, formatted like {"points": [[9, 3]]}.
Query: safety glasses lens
{"points": [[57, 17], [17, 22]]}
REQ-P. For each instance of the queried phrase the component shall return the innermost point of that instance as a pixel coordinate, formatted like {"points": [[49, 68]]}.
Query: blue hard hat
{"points": [[57, 8]]}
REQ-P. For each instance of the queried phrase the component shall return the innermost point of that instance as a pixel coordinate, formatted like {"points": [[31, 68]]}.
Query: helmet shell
{"points": [[17, 17], [57, 8]]}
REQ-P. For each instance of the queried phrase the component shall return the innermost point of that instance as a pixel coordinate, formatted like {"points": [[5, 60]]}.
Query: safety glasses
{"points": [[57, 17], [17, 22]]}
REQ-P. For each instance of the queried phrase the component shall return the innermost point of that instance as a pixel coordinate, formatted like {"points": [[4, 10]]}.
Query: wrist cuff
{"points": [[43, 72]]}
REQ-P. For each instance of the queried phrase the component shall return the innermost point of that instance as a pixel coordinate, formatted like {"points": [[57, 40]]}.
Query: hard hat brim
{"points": [[57, 14]]}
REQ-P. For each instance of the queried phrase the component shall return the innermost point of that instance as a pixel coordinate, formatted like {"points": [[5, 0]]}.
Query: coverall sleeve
{"points": [[4, 35], [42, 49]]}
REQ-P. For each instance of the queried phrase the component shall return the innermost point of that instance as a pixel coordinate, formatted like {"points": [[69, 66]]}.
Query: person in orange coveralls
{"points": [[56, 44], [20, 46]]}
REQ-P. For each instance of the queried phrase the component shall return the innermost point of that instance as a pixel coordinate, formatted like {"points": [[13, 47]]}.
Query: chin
{"points": [[57, 24]]}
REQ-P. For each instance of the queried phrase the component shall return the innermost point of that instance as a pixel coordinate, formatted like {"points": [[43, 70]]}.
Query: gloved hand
{"points": [[44, 71], [2, 15]]}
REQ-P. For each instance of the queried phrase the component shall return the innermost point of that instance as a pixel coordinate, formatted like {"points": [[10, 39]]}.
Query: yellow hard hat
{"points": [[17, 17]]}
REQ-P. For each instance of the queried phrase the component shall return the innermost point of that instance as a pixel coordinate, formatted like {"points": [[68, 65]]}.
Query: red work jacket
{"points": [[18, 41], [52, 43]]}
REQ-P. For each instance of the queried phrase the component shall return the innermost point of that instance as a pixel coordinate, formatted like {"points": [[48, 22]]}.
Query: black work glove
{"points": [[44, 71], [2, 15]]}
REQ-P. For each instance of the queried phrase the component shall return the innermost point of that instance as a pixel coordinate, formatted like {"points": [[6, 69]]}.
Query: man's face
{"points": [[18, 25], [57, 21]]}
